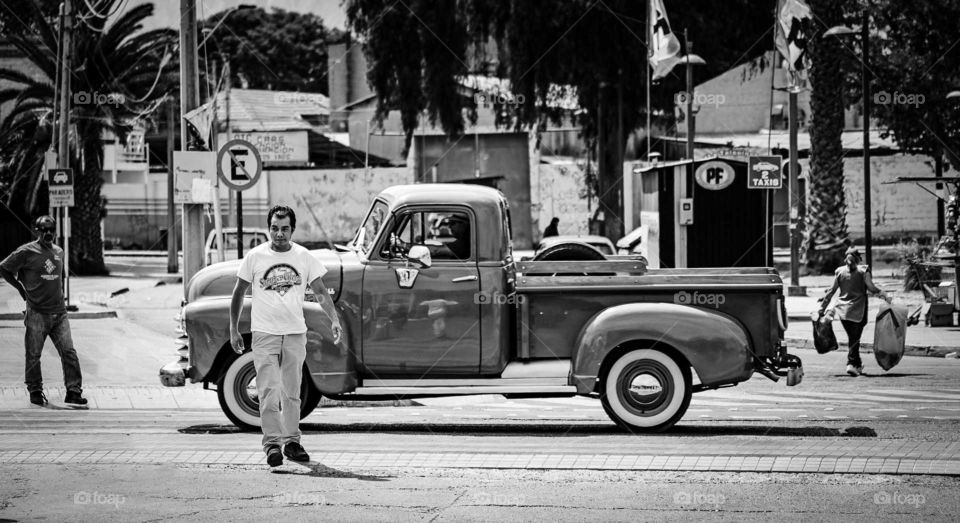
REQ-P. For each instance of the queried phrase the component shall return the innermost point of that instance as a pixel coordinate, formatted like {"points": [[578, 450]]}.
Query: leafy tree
{"points": [[418, 49], [120, 73], [914, 65], [277, 50]]}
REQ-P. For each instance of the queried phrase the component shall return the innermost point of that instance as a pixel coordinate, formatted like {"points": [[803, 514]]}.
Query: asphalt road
{"points": [[884, 446]]}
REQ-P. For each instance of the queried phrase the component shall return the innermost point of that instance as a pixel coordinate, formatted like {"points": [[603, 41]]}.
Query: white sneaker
{"points": [[854, 371]]}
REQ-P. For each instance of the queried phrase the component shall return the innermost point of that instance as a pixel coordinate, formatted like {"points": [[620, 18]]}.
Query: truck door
{"points": [[423, 322]]}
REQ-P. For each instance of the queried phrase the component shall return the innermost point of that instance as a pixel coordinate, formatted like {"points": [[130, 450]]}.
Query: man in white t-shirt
{"points": [[280, 272]]}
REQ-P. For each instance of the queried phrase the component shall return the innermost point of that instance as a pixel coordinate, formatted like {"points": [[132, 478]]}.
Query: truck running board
{"points": [[534, 377], [465, 391]]}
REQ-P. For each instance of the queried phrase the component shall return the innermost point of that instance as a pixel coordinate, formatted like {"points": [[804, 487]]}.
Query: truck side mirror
{"points": [[419, 255]]}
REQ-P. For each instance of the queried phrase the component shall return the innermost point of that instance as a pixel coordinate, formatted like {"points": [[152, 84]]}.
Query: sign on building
{"points": [[60, 185], [763, 172], [276, 147], [715, 175]]}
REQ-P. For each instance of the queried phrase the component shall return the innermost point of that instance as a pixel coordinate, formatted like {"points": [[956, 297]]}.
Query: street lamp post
{"points": [[844, 31]]}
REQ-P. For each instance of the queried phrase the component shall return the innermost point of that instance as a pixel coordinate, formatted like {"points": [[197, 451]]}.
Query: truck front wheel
{"points": [[646, 390], [239, 399]]}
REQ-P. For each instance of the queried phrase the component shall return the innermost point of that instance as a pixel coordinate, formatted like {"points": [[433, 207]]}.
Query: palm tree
{"points": [[117, 63], [826, 236]]}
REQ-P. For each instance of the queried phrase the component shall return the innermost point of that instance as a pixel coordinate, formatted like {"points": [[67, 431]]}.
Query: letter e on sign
{"points": [[715, 175]]}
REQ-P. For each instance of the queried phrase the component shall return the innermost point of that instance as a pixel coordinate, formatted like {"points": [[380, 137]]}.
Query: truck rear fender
{"points": [[714, 344]]}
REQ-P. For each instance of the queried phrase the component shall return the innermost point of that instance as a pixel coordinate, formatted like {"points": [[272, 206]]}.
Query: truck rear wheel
{"points": [[646, 390], [239, 399]]}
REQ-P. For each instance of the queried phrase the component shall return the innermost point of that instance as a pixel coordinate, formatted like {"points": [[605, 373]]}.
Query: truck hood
{"points": [[217, 280]]}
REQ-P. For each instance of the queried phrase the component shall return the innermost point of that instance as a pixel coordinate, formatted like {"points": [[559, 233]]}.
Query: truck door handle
{"points": [[464, 278]]}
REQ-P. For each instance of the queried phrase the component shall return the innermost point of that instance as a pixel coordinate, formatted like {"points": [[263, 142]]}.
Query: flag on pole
{"points": [[793, 26], [664, 46]]}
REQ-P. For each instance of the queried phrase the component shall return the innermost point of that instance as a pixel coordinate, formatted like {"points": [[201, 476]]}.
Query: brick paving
{"points": [[892, 464]]}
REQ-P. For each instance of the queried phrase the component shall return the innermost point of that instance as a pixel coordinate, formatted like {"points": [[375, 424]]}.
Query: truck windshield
{"points": [[368, 232]]}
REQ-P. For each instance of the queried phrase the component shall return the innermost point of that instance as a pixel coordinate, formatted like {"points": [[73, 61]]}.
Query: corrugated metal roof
{"points": [[262, 110]]}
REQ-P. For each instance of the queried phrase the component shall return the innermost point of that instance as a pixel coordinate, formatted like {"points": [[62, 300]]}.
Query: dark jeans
{"points": [[854, 331], [57, 327]]}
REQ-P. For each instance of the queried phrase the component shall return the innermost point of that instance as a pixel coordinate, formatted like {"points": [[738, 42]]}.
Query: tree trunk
{"points": [[86, 245], [826, 236], [610, 175]]}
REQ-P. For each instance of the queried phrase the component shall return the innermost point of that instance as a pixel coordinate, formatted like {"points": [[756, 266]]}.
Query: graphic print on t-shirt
{"points": [[280, 278], [50, 268]]}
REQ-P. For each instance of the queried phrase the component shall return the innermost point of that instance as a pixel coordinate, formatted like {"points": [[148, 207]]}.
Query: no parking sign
{"points": [[239, 165]]}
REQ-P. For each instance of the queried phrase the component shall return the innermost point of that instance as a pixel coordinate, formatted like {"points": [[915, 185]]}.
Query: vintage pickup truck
{"points": [[433, 304]]}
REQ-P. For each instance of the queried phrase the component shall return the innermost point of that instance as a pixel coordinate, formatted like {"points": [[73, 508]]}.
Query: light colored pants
{"points": [[279, 363]]}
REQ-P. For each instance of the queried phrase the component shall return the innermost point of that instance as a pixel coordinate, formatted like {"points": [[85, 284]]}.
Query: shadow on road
{"points": [[319, 470], [557, 430], [878, 375]]}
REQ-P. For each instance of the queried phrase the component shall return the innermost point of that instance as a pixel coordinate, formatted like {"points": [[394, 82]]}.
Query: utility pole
{"points": [[691, 126], [795, 288], [173, 265], [189, 100], [63, 155], [865, 79]]}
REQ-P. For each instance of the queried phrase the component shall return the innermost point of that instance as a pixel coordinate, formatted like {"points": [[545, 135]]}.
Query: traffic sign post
{"points": [[60, 191], [239, 167]]}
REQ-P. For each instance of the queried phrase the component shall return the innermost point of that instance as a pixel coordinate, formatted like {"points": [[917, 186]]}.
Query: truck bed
{"points": [[559, 297]]}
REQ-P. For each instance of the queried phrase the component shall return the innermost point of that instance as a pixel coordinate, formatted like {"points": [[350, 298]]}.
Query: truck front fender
{"points": [[714, 344], [332, 366]]}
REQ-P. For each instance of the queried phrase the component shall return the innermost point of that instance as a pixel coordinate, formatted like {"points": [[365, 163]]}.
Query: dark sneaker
{"points": [[274, 457], [37, 398], [295, 451], [75, 399]]}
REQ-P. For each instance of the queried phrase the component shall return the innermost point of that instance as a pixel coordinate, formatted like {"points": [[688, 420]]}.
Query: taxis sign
{"points": [[763, 172]]}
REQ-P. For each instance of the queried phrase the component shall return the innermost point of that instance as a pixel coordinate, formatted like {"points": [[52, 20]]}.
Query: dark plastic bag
{"points": [[890, 336], [824, 340]]}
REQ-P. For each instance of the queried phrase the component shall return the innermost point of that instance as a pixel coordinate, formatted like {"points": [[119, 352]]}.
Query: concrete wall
{"points": [[556, 189], [331, 203], [898, 210]]}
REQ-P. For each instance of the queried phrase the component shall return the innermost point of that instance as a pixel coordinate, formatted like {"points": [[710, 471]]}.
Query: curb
{"points": [[933, 351], [70, 315], [164, 277]]}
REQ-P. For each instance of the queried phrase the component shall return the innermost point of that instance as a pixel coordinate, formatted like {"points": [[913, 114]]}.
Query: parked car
{"points": [[251, 238], [601, 243], [429, 310]]}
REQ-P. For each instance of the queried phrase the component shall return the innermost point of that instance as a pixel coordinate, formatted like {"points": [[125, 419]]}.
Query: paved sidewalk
{"points": [[818, 457]]}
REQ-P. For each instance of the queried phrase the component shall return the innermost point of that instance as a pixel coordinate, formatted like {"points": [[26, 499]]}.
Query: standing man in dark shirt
{"points": [[35, 270]]}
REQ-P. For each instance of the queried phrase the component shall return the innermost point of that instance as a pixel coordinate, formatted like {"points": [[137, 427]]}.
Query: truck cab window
{"points": [[446, 233]]}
